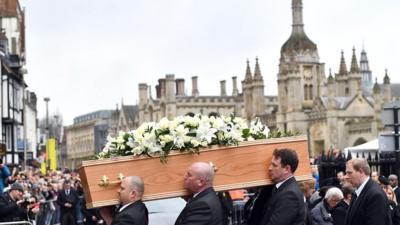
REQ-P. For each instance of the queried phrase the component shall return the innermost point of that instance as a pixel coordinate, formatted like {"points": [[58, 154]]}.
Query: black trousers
{"points": [[68, 218]]}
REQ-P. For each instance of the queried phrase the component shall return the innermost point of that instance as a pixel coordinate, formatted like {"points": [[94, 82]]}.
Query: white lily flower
{"points": [[164, 123]]}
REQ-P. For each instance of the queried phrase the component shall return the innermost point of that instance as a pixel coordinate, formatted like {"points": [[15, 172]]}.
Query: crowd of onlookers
{"points": [[29, 195], [328, 205]]}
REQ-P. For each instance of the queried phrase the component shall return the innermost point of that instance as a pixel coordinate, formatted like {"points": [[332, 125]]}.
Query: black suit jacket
{"points": [[371, 207], [286, 206], [135, 214], [339, 213], [397, 193], [71, 198], [204, 209]]}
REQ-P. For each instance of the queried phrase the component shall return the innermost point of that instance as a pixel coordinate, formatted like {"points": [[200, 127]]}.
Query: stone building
{"points": [[124, 119], [171, 99], [337, 111], [87, 136]]}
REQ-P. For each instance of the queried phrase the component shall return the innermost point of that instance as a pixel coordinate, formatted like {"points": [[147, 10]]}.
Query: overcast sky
{"points": [[88, 55]]}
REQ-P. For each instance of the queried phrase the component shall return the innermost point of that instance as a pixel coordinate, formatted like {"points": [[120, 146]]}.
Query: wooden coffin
{"points": [[239, 166]]}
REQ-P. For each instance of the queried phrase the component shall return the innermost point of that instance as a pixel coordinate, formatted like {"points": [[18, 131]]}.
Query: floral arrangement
{"points": [[185, 134]]}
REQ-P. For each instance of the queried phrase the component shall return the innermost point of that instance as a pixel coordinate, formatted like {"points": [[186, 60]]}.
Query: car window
{"points": [[165, 205]]}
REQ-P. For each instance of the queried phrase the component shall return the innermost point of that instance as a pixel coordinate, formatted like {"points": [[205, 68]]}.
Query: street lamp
{"points": [[47, 99]]}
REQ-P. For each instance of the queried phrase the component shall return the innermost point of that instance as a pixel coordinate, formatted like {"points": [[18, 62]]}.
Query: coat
{"points": [[286, 206], [339, 213], [204, 209], [71, 198], [134, 214], [10, 211], [371, 207], [320, 214]]}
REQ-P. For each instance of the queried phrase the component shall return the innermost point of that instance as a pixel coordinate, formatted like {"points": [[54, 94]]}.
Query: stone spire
{"points": [[367, 81], [331, 80], [248, 76], [354, 65], [376, 88], [298, 40], [257, 71], [364, 64], [331, 91], [387, 92], [297, 16], [342, 67], [386, 79]]}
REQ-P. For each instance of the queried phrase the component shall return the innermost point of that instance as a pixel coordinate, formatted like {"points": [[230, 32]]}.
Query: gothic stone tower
{"points": [[300, 77]]}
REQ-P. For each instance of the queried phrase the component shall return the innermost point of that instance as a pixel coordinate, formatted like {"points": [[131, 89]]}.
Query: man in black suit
{"points": [[132, 211], [394, 183], [369, 205], [67, 199], [286, 205], [203, 208]]}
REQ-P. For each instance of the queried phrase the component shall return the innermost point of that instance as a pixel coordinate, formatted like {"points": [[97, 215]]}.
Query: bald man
{"points": [[132, 210], [203, 208]]}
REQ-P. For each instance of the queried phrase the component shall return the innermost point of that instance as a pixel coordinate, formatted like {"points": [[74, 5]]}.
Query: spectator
{"points": [[13, 207], [339, 213], [307, 187], [67, 199], [341, 178], [394, 182], [394, 207], [315, 174], [4, 174], [321, 214], [375, 176]]}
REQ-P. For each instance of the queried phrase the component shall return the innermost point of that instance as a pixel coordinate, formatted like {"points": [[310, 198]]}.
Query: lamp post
{"points": [[47, 99]]}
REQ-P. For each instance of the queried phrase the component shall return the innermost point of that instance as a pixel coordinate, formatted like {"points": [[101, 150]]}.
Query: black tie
{"points": [[274, 190], [354, 197]]}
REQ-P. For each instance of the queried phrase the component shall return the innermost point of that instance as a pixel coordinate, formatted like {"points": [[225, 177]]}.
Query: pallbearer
{"points": [[132, 210], [203, 208]]}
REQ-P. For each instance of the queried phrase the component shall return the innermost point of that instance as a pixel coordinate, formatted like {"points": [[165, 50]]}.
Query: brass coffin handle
{"points": [[213, 166], [104, 181]]}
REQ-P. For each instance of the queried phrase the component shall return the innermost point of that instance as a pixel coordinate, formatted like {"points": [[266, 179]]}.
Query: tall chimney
{"points": [[143, 93], [195, 90], [235, 90], [170, 88], [223, 87], [180, 87], [158, 92], [161, 86]]}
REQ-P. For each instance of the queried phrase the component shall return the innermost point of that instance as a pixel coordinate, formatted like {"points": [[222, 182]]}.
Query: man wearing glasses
{"points": [[13, 207]]}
